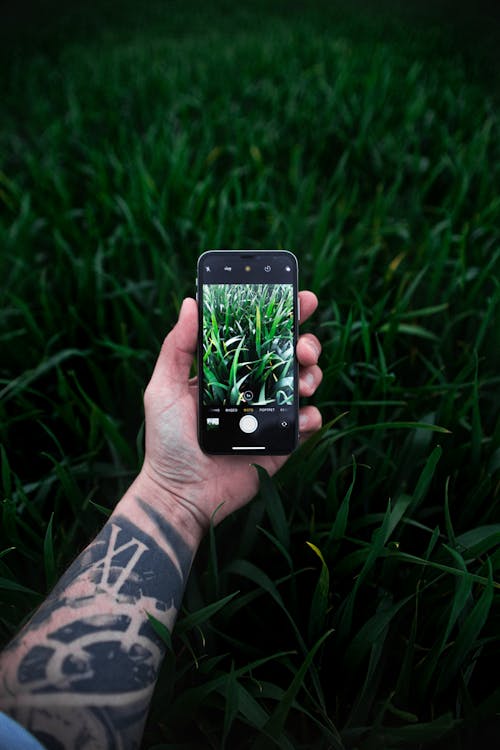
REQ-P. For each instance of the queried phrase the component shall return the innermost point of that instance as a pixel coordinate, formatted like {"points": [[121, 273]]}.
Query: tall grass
{"points": [[248, 343], [355, 602]]}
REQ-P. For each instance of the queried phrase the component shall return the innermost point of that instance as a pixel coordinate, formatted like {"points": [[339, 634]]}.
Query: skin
{"points": [[81, 673]]}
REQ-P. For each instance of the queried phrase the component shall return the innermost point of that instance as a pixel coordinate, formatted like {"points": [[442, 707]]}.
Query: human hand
{"points": [[174, 462]]}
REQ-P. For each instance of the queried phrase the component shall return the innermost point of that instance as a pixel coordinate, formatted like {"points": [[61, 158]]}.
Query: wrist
{"points": [[177, 507], [177, 510]]}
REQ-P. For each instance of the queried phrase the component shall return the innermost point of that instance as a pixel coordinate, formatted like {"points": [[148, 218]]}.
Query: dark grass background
{"points": [[366, 139]]}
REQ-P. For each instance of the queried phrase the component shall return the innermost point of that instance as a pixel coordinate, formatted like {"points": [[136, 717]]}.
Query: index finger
{"points": [[308, 303]]}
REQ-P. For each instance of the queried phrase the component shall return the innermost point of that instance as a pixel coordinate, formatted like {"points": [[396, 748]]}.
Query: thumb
{"points": [[178, 349]]}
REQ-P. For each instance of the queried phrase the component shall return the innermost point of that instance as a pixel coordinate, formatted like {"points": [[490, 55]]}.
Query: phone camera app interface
{"points": [[247, 364], [248, 351]]}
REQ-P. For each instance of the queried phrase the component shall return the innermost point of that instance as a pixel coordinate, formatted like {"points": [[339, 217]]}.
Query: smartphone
{"points": [[247, 369]]}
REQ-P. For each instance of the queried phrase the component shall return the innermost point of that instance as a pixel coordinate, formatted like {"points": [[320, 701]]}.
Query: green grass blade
{"points": [[274, 507], [48, 555], [275, 725], [468, 635], [194, 619], [320, 599]]}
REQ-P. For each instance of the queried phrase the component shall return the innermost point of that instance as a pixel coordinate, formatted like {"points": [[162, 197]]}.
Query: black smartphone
{"points": [[247, 368]]}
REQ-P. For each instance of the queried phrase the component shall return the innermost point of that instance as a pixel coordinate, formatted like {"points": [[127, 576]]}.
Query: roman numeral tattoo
{"points": [[81, 673]]}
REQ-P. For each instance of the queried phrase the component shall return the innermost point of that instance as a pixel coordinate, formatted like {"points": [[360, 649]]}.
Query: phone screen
{"points": [[247, 365]]}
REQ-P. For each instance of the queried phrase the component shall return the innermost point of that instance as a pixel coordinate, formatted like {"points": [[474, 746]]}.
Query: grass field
{"points": [[355, 603], [248, 343]]}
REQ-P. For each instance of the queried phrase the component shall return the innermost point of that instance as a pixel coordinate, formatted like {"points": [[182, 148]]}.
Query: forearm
{"points": [[83, 670]]}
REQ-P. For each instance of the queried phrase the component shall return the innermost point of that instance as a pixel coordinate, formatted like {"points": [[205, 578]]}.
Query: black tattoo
{"points": [[87, 684]]}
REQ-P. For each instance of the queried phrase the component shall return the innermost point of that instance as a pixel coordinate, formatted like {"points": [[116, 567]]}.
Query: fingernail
{"points": [[303, 420], [309, 378], [314, 349]]}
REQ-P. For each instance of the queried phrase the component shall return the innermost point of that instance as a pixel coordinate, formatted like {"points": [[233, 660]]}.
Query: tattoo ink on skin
{"points": [[87, 682]]}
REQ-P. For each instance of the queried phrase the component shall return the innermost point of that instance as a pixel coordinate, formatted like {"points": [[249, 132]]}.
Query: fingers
{"points": [[309, 380], [308, 304], [310, 375], [308, 349], [176, 356], [178, 349], [309, 421], [186, 328]]}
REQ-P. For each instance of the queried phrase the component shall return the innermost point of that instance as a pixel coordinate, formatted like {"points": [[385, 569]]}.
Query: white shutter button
{"points": [[248, 424]]}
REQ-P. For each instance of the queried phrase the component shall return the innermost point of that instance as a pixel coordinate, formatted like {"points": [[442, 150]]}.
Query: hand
{"points": [[174, 460]]}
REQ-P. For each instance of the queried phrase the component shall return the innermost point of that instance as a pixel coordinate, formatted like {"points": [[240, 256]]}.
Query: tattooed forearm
{"points": [[81, 673]]}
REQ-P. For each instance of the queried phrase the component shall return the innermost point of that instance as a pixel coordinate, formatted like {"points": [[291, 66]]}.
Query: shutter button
{"points": [[248, 424]]}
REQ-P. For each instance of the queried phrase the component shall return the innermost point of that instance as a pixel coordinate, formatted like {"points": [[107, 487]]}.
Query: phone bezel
{"points": [[248, 256]]}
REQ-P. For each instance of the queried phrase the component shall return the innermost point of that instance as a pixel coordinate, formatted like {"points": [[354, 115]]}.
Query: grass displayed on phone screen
{"points": [[248, 343]]}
